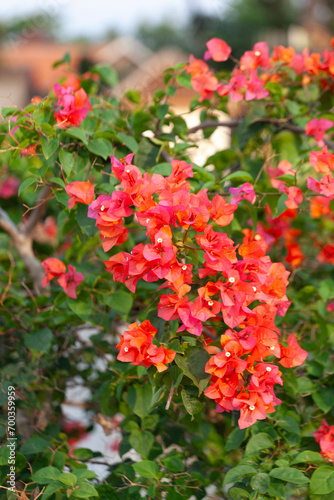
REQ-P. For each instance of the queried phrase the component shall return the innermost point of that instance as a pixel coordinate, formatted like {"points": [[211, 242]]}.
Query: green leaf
{"points": [[25, 184], [238, 491], [52, 488], [193, 365], [58, 181], [39, 341], [324, 399], [322, 480], [276, 489], [146, 468], [67, 161], [46, 475], [119, 301], [164, 169], [86, 224], [281, 206], [107, 74], [307, 456], [240, 470], [184, 79], [77, 133], [142, 442], [190, 400], [235, 439], [34, 445], [257, 443], [139, 399], [85, 490], [101, 147], [129, 141], [82, 306], [201, 174], [84, 473], [67, 478], [173, 464], [47, 129], [49, 146], [260, 482], [82, 454], [238, 178], [65, 59], [289, 475], [133, 96]]}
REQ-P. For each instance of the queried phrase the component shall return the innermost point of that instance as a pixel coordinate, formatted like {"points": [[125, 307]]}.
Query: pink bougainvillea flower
{"points": [[283, 168], [218, 50], [317, 128], [293, 355], [9, 187], [205, 84], [53, 268], [325, 186], [325, 437], [322, 161], [70, 281], [295, 196], [79, 192], [244, 192], [72, 106], [196, 66]]}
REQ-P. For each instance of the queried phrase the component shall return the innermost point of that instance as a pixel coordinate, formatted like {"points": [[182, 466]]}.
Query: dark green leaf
{"points": [[289, 475], [39, 341]]}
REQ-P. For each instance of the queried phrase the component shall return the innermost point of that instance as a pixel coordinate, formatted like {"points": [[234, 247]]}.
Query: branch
{"points": [[23, 245], [38, 211], [212, 123]]}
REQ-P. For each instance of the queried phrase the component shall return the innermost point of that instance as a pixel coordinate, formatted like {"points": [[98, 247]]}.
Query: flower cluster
{"points": [[72, 106], [136, 346], [325, 437], [244, 293], [55, 268], [256, 68]]}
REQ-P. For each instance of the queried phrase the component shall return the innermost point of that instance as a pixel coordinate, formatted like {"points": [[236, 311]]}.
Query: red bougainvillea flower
{"points": [[317, 128], [218, 50], [322, 161], [244, 192], [137, 348], [9, 187], [72, 106], [325, 437], [259, 56], [79, 192], [70, 281], [53, 268], [293, 355], [283, 168]]}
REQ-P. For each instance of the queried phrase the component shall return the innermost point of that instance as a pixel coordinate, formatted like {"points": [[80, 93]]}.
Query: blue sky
{"points": [[93, 18]]}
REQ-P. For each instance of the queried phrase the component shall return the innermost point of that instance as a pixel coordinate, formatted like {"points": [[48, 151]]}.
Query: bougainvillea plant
{"points": [[207, 290]]}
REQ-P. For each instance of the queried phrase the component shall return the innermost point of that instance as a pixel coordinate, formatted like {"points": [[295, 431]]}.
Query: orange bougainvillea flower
{"points": [[80, 192], [293, 355], [53, 268], [137, 348]]}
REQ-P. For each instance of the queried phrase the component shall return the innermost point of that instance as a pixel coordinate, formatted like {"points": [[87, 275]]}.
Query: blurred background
{"points": [[141, 39]]}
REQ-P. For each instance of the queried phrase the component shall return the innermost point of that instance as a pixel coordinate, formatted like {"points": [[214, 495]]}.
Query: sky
{"points": [[92, 18]]}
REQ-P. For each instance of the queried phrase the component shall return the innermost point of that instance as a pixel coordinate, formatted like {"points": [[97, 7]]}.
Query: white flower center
{"points": [[128, 171], [268, 369], [184, 267], [102, 208], [231, 280], [126, 349], [252, 407], [254, 288], [210, 303], [257, 53], [147, 221], [272, 348], [159, 240], [257, 237], [227, 354]]}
